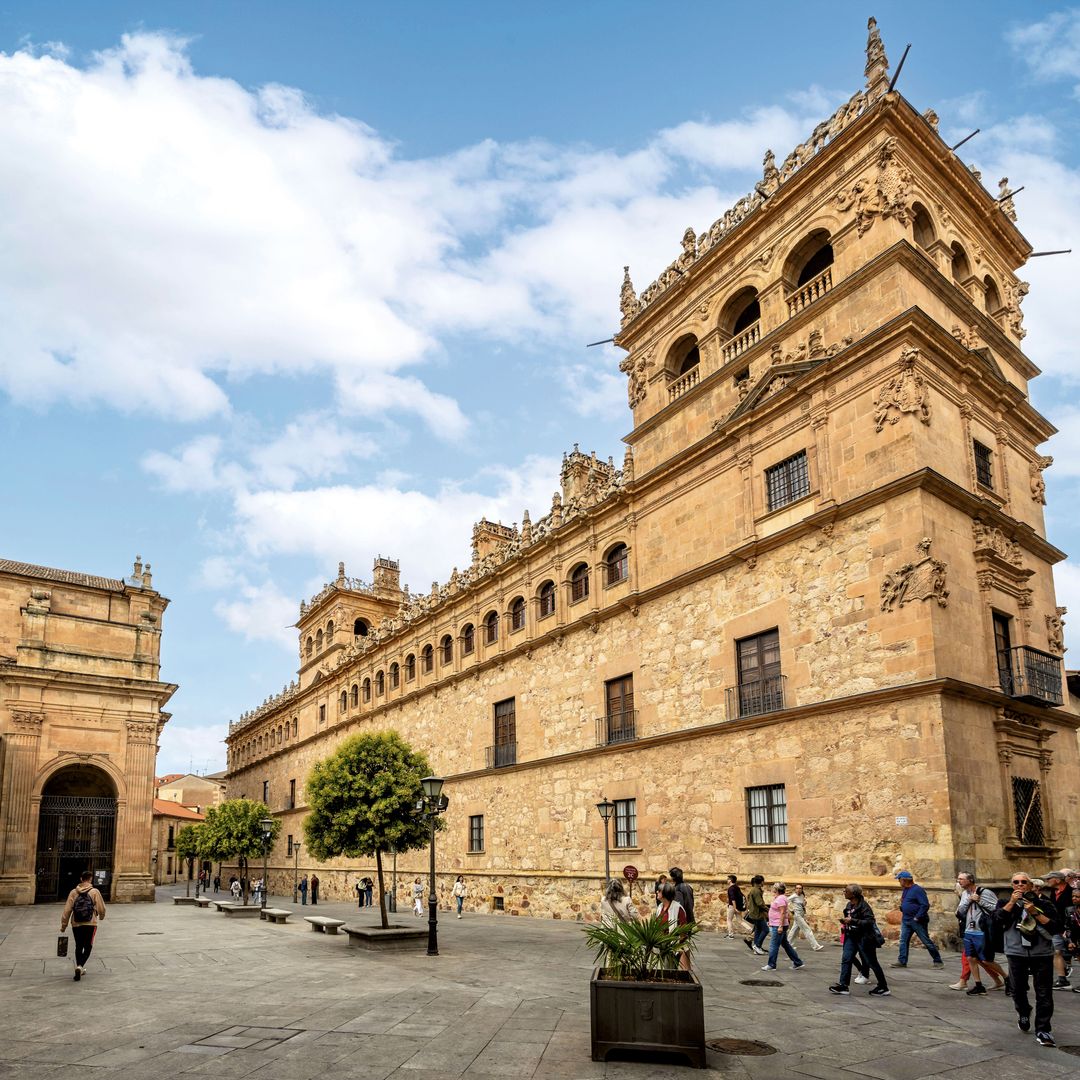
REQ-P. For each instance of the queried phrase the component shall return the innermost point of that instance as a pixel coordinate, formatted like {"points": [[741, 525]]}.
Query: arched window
{"points": [[817, 263], [295, 726], [922, 226], [288, 729], [546, 596], [343, 704], [354, 695], [395, 676], [410, 667], [961, 268], [468, 639], [279, 735], [360, 628], [992, 295], [683, 355], [310, 647], [330, 633], [380, 684], [446, 647], [739, 323], [427, 658], [618, 564], [517, 614], [367, 690], [491, 627], [318, 641], [579, 583]]}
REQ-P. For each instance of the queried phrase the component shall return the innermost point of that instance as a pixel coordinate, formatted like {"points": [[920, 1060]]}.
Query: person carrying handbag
{"points": [[861, 937], [84, 909]]}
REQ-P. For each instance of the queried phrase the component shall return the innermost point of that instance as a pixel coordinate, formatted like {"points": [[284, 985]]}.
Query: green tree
{"points": [[363, 802], [187, 847], [233, 832]]}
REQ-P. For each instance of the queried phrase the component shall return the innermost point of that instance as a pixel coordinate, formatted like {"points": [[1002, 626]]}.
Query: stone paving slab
{"points": [[185, 993]]}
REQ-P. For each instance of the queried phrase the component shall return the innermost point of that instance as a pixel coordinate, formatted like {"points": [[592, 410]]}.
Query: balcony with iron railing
{"points": [[740, 343], [1031, 675], [756, 697], [616, 727], [501, 755], [684, 383], [806, 294]]}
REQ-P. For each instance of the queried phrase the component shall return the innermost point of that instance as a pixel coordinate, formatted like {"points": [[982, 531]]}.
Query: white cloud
{"points": [[1051, 47], [1067, 586], [260, 613], [198, 747]]}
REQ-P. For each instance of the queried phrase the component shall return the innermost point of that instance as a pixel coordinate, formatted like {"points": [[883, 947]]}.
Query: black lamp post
{"points": [[295, 870], [432, 804], [267, 826], [606, 809]]}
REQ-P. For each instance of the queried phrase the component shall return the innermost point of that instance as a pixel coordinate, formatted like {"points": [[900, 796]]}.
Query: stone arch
{"points": [[682, 355], [578, 582], [992, 295], [740, 310], [960, 263], [808, 257], [923, 229]]}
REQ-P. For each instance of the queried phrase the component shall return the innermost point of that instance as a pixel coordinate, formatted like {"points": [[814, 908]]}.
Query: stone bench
{"points": [[392, 939], [249, 912], [323, 925], [183, 900], [274, 914], [202, 901], [221, 905]]}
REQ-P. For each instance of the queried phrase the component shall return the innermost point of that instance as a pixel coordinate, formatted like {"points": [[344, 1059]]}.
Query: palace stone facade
{"points": [[80, 713], [807, 629]]}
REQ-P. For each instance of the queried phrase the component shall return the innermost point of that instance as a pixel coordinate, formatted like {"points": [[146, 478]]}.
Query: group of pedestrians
{"points": [[305, 887]]}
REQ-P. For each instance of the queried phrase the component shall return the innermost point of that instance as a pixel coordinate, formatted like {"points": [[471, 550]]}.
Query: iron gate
{"points": [[75, 833]]}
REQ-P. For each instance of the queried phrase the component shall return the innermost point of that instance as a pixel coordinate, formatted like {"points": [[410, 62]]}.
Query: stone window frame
{"points": [[517, 623], [476, 834], [788, 481], [354, 696], [546, 597], [468, 639], [621, 563], [380, 683], [578, 583], [491, 628], [410, 667], [427, 658], [446, 649], [984, 464], [776, 830], [366, 691], [625, 827], [343, 702], [395, 675]]}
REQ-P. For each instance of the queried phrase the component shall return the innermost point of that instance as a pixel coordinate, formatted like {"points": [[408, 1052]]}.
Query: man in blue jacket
{"points": [[915, 912]]}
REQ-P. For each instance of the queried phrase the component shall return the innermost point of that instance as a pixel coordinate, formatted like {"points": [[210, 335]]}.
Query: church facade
{"points": [[81, 702], [807, 629]]}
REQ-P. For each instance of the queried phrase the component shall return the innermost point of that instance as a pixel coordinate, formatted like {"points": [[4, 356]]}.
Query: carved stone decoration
{"points": [[970, 338], [770, 177], [1014, 296], [141, 733], [629, 305], [904, 392], [28, 721], [637, 372], [991, 538], [1005, 201], [877, 63], [1055, 632], [888, 194], [931, 118], [689, 249], [628, 466], [1038, 481], [40, 602], [920, 580]]}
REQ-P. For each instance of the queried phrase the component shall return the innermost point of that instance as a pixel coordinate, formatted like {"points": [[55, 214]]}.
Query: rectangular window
{"points": [[266, 792], [288, 847], [172, 837], [761, 685], [619, 715], [1003, 651], [1027, 803], [766, 814], [505, 748], [626, 823], [322, 714], [788, 481], [984, 464], [476, 832], [292, 794], [168, 868]]}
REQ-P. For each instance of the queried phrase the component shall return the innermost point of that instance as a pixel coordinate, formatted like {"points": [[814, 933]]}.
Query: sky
{"points": [[287, 284]]}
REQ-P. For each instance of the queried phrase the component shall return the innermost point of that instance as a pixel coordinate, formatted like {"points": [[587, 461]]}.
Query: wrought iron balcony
{"points": [[501, 754], [1031, 675], [756, 697], [617, 727]]}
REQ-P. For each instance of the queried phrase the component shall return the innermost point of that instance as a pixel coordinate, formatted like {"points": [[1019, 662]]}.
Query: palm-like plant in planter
{"points": [[639, 997]]}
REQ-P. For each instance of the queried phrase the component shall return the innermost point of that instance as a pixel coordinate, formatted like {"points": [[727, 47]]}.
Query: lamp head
{"points": [[432, 786], [606, 809], [267, 825]]}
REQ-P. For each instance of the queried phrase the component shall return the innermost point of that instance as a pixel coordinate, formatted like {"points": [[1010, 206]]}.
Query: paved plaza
{"points": [[180, 990]]}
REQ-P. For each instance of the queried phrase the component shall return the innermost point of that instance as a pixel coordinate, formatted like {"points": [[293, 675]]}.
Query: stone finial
{"points": [[1005, 199], [877, 63], [556, 510], [136, 570], [931, 118], [628, 465], [340, 574], [526, 528], [146, 578], [629, 305]]}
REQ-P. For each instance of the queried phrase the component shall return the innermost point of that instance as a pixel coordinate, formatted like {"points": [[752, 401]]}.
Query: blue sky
{"points": [[285, 284]]}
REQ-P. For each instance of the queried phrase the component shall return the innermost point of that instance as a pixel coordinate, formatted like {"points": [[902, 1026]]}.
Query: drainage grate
{"points": [[741, 1047], [760, 982]]}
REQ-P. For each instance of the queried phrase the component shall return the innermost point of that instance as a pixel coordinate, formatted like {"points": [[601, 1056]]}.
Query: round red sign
{"points": [[630, 873]]}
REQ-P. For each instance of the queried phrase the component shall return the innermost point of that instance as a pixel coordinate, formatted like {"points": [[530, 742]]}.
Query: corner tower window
{"points": [[922, 227]]}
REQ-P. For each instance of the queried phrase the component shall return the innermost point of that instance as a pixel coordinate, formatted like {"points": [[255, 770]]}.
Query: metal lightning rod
{"points": [[606, 341], [1039, 254], [957, 146], [899, 68]]}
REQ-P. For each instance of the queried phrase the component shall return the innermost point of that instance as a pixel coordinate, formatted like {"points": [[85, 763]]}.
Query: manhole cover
{"points": [[741, 1047], [760, 982], [1074, 1050]]}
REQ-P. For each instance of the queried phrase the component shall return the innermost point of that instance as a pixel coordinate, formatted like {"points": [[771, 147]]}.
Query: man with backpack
{"points": [[978, 930], [83, 909]]}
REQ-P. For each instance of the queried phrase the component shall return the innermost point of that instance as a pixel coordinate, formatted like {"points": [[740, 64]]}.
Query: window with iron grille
{"points": [[517, 614], [547, 599], [476, 832], [788, 481], [626, 823], [288, 847], [1027, 803], [380, 684], [766, 814], [579, 584], [984, 464], [618, 564]]}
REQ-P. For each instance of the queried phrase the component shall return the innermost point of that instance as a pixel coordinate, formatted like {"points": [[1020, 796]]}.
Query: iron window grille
{"points": [[1027, 804], [766, 810], [787, 481], [626, 823], [984, 464], [491, 629], [476, 832]]}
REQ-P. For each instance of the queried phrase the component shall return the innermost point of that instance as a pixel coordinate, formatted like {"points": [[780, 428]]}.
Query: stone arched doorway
{"points": [[76, 831]]}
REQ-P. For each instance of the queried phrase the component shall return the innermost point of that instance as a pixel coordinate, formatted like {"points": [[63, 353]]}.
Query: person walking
{"points": [[683, 893], [369, 891], [860, 937], [616, 906], [799, 925], [303, 887], [1072, 930], [658, 888], [235, 888], [736, 905], [914, 919], [418, 898], [84, 910], [975, 914], [779, 920], [1060, 895], [314, 888], [358, 888], [1030, 923], [217, 883], [757, 915], [458, 893]]}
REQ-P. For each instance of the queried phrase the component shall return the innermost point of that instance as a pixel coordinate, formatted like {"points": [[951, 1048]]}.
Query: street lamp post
{"points": [[295, 869], [606, 808], [432, 804], [267, 826]]}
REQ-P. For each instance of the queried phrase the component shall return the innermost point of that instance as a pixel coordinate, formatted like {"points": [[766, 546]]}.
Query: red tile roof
{"points": [[66, 577], [168, 778], [176, 810]]}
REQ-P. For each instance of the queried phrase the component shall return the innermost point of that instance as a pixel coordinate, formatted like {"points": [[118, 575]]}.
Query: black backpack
{"points": [[82, 911]]}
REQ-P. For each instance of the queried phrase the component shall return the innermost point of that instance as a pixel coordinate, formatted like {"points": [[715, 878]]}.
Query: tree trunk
{"points": [[244, 877], [187, 884], [382, 895]]}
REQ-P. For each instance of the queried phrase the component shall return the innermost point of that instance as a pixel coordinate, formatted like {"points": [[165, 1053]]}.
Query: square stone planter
{"points": [[657, 1017]]}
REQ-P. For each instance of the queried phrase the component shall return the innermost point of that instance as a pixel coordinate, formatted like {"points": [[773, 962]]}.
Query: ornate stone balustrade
{"points": [[680, 386], [269, 705], [738, 345], [806, 294]]}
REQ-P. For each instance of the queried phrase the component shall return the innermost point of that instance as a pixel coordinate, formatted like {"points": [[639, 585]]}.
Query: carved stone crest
{"points": [[1055, 632], [1014, 296], [637, 371], [920, 580], [1038, 481], [990, 538], [888, 194], [904, 392]]}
